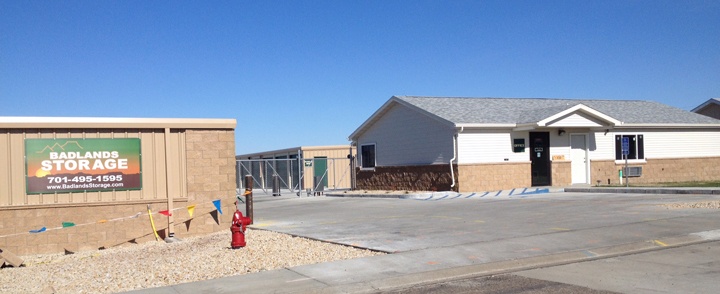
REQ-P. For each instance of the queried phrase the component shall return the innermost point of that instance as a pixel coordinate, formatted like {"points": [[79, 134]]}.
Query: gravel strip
{"points": [[706, 204], [156, 264]]}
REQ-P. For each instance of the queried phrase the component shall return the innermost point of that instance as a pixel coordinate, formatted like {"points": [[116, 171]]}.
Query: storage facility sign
{"points": [[76, 165]]}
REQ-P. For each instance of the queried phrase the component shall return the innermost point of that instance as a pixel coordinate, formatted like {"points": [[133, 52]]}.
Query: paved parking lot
{"points": [[542, 223], [542, 236]]}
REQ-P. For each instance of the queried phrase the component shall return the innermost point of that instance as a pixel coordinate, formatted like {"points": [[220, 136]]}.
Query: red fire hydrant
{"points": [[237, 228]]}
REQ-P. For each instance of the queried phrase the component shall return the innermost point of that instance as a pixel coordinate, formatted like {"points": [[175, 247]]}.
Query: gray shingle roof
{"points": [[527, 110]]}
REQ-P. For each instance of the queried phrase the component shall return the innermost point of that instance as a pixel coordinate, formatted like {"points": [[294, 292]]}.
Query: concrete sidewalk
{"points": [[422, 261]]}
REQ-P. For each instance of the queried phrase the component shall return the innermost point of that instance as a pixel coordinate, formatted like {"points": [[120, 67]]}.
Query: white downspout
{"points": [[452, 171]]}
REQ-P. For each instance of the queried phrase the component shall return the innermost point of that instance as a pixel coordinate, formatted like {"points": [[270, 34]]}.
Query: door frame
{"points": [[535, 181], [587, 158]]}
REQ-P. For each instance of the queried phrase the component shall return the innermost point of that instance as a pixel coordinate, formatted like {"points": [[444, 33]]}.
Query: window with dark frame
{"points": [[637, 147], [367, 156]]}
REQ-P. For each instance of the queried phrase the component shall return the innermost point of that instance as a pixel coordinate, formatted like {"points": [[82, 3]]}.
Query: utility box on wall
{"points": [[632, 171]]}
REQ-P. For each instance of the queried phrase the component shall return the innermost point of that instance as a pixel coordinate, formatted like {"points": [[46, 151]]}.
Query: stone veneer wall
{"points": [[494, 176], [661, 170], [561, 173], [210, 175], [411, 178]]}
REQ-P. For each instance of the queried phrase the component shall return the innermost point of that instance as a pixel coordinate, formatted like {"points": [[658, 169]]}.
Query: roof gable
{"points": [[710, 103], [579, 116], [394, 102]]}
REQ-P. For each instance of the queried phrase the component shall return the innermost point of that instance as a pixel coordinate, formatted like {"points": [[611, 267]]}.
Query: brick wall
{"points": [[561, 173], [210, 175], [501, 176], [661, 170], [604, 170], [411, 178], [492, 177]]}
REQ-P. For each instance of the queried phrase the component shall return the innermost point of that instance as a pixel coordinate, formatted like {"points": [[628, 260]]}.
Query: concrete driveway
{"points": [[432, 236], [542, 223], [451, 238]]}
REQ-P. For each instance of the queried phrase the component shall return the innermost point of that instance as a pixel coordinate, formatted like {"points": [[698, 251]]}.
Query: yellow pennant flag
{"points": [[191, 209]]}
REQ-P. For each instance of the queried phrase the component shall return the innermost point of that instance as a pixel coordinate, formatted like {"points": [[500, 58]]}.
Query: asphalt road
{"points": [[498, 284]]}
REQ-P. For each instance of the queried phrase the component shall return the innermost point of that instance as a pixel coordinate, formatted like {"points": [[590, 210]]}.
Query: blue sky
{"points": [[299, 73]]}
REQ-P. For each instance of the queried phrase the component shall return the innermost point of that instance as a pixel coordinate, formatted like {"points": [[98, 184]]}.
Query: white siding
{"points": [[602, 146], [663, 143], [406, 137], [575, 120], [669, 144], [488, 146], [560, 145]]}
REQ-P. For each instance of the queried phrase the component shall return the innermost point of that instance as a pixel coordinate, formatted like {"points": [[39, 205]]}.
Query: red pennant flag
{"points": [[165, 212]]}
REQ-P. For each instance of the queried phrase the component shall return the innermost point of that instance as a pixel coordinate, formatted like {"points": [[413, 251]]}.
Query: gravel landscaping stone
{"points": [[705, 204], [156, 264]]}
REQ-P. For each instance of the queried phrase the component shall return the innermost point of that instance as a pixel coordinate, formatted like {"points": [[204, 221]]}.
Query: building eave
{"points": [[115, 123], [668, 126], [485, 126]]}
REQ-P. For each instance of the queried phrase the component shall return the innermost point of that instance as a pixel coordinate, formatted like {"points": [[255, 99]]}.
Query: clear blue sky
{"points": [[296, 73]]}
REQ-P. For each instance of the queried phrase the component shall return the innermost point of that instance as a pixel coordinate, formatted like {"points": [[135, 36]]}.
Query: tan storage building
{"points": [[71, 184], [299, 167]]}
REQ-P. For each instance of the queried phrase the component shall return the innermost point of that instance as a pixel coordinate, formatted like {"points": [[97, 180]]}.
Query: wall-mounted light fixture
{"points": [[561, 132], [606, 131]]}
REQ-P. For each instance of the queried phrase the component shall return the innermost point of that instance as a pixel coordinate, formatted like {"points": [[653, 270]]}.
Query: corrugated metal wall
{"points": [[152, 142]]}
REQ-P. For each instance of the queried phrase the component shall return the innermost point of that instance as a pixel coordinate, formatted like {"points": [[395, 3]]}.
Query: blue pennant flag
{"points": [[39, 231], [217, 205]]}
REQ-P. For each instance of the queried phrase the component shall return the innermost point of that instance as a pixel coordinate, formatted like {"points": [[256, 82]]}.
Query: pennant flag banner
{"points": [[190, 209], [217, 205], [39, 231], [152, 223]]}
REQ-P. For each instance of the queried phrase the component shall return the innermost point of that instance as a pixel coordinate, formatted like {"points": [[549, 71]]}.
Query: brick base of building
{"points": [[510, 175], [493, 176], [659, 170], [100, 226], [410, 178], [561, 173]]}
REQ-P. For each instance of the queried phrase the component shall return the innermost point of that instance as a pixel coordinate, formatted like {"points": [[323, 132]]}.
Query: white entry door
{"points": [[578, 154]]}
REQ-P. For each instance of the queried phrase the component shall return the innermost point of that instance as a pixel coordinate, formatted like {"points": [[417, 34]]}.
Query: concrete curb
{"points": [[706, 191], [509, 266], [511, 193], [441, 195]]}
